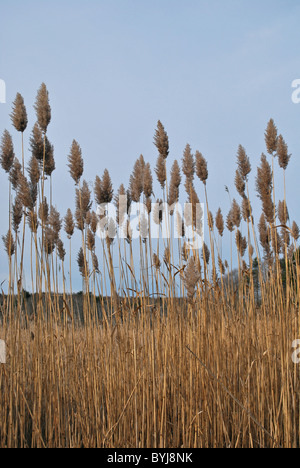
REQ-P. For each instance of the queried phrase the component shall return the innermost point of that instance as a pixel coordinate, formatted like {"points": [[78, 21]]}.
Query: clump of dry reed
{"points": [[159, 350]]}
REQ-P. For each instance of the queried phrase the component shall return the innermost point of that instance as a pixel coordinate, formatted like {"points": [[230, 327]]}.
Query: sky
{"points": [[213, 72]]}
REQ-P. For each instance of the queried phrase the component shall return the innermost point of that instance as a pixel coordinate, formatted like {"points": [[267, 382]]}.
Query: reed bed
{"points": [[171, 349]]}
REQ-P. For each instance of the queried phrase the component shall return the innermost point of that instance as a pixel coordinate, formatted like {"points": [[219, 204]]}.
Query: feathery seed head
{"points": [[161, 140], [156, 261], [42, 149], [32, 221], [160, 171], [264, 177], [83, 205], [282, 211], [7, 154], [284, 240], [229, 222], [148, 181], [90, 240], [236, 214], [239, 183], [15, 174], [9, 243], [174, 184], [188, 166], [49, 158], [34, 170], [69, 225], [24, 192], [37, 143], [98, 190], [295, 231], [136, 183], [263, 232], [94, 222], [264, 188], [49, 240], [19, 115], [282, 153], [243, 162], [75, 162], [241, 243], [191, 278], [210, 220], [271, 137], [221, 266], [201, 167], [107, 189], [205, 253], [80, 262], [17, 214], [42, 108], [55, 222], [291, 252], [246, 209], [61, 250], [44, 211], [95, 262], [175, 174], [220, 222]]}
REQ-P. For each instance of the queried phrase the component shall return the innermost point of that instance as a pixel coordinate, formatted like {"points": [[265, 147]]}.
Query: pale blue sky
{"points": [[214, 72]]}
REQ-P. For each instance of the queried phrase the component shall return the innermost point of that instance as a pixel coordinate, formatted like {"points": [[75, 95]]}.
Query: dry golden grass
{"points": [[135, 383]]}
